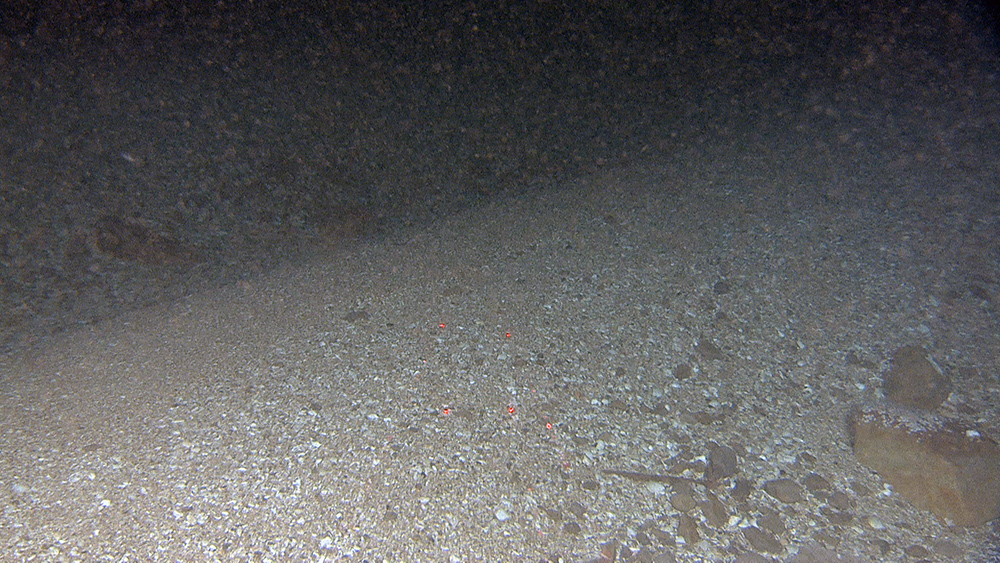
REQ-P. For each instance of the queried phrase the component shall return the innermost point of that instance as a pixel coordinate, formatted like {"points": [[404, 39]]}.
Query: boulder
{"points": [[943, 466]]}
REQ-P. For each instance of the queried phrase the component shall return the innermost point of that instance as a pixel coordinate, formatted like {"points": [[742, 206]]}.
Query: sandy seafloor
{"points": [[357, 407], [454, 385]]}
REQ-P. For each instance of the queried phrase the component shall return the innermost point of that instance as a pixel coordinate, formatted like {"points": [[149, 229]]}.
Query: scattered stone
{"points": [[770, 520], [840, 500], [577, 510], [741, 490], [708, 418], [836, 517], [687, 528], [916, 551], [722, 287], [572, 528], [785, 490], [610, 550], [618, 405], [683, 371], [915, 380], [860, 489], [948, 550], [683, 501], [722, 463], [939, 465], [656, 488], [664, 537], [355, 316], [883, 546], [715, 512], [856, 361], [815, 482], [552, 513], [763, 541], [805, 459], [708, 350], [826, 538], [874, 523]]}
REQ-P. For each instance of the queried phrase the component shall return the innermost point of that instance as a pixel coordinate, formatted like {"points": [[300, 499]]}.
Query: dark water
{"points": [[243, 136]]}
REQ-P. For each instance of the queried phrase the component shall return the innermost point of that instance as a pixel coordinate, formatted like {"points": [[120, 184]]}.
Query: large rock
{"points": [[915, 380], [941, 466]]}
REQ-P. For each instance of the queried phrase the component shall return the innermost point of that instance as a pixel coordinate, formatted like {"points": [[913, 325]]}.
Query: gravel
{"points": [[387, 284]]}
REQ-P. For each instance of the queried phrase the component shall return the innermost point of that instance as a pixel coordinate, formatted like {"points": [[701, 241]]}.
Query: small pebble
{"points": [[785, 490], [655, 488], [763, 541], [683, 502]]}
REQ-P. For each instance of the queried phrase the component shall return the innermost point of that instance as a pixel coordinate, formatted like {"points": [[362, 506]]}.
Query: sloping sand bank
{"points": [[459, 391]]}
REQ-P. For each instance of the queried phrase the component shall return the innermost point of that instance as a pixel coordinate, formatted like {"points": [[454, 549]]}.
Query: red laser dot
{"points": [[511, 409], [446, 412], [442, 325], [507, 335], [548, 425]]}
